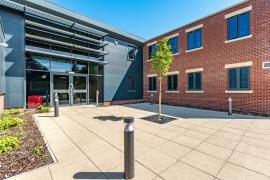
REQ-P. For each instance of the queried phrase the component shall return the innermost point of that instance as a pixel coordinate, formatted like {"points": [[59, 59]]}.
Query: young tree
{"points": [[161, 60]]}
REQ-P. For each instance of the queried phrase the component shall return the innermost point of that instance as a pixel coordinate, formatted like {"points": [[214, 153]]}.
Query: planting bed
{"points": [[31, 152]]}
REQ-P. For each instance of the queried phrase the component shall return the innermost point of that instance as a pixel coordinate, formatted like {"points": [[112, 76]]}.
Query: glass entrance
{"points": [[71, 88]]}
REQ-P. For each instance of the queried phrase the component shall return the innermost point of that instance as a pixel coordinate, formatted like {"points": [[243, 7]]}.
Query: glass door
{"points": [[79, 89], [95, 83], [61, 86]]}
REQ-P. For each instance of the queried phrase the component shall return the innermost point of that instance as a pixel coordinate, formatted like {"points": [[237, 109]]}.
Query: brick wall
{"points": [[213, 57]]}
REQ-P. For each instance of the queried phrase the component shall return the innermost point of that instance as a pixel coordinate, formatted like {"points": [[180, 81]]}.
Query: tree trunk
{"points": [[159, 98]]}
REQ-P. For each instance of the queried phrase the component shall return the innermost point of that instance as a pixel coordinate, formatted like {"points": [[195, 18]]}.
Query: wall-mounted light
{"points": [[5, 45], [116, 42]]}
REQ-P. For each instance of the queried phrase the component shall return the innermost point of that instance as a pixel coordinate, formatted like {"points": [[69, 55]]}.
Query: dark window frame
{"points": [[176, 43], [238, 28], [151, 49], [133, 78], [238, 79], [194, 81], [151, 85], [171, 86], [135, 53], [192, 35]]}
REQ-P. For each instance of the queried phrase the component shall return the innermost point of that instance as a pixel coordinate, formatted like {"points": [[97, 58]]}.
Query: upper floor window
{"points": [[194, 39], [152, 83], [238, 26], [195, 81], [173, 42], [151, 49], [238, 78], [172, 82], [131, 53], [131, 83]]}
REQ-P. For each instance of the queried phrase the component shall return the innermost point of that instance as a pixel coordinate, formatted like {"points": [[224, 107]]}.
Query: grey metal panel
{"points": [[118, 69], [2, 59], [13, 23], [71, 56], [12, 5]]}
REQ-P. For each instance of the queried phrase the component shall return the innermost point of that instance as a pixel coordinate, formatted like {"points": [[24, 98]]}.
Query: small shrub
{"points": [[38, 150], [8, 143], [12, 111], [43, 109], [9, 121]]}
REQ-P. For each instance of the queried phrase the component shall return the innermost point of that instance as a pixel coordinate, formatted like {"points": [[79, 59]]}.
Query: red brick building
{"points": [[226, 54]]}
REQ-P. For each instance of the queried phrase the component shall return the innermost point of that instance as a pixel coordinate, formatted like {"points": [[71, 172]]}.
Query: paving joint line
{"points": [[112, 145]]}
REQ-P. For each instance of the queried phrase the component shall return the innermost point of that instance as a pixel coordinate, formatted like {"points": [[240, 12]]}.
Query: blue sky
{"points": [[145, 18]]}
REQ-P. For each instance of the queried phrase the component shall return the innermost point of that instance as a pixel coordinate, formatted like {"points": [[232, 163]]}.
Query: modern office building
{"points": [[53, 49], [226, 54]]}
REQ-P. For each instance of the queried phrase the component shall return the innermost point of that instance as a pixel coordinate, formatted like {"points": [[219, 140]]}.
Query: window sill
{"points": [[239, 92], [148, 60], [152, 91], [131, 91], [194, 91], [191, 50], [238, 39], [172, 91], [175, 54]]}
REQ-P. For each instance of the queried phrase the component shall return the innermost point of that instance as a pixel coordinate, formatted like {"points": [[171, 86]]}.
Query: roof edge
{"points": [[199, 19]]}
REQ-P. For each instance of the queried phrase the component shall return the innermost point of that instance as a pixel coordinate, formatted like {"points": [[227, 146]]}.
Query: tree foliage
{"points": [[162, 58]]}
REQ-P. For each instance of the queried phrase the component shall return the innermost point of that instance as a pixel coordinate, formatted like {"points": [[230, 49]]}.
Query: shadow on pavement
{"points": [[98, 175], [108, 118], [190, 113]]}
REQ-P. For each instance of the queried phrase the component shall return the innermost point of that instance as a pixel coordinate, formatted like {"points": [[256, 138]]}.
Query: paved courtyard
{"points": [[87, 143]]}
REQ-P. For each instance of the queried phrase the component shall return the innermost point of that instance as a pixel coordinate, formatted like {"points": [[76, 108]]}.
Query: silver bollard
{"points": [[129, 148], [56, 105], [230, 106], [97, 96], [152, 98]]}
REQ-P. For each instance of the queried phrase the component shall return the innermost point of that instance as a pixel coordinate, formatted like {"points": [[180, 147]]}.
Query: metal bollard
{"points": [[56, 105], [97, 96], [230, 106], [129, 148], [152, 98]]}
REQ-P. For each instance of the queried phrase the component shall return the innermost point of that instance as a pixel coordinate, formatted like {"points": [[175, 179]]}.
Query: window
{"points": [[131, 53], [195, 81], [131, 83], [152, 83], [173, 42], [172, 82], [238, 26], [238, 78], [37, 62], [194, 39], [151, 50]]}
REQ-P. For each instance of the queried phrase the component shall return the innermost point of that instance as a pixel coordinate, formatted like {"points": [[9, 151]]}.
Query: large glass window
{"points": [[239, 78], [173, 42], [131, 83], [95, 69], [60, 65], [151, 50], [80, 67], [238, 26], [37, 62], [131, 53], [172, 82], [37, 88], [195, 81], [152, 83], [194, 39]]}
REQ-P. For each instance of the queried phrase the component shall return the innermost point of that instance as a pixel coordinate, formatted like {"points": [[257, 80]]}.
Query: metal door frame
{"points": [[71, 91]]}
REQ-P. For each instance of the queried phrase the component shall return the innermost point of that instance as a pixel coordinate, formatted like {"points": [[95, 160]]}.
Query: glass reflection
{"points": [[60, 65], [38, 62]]}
